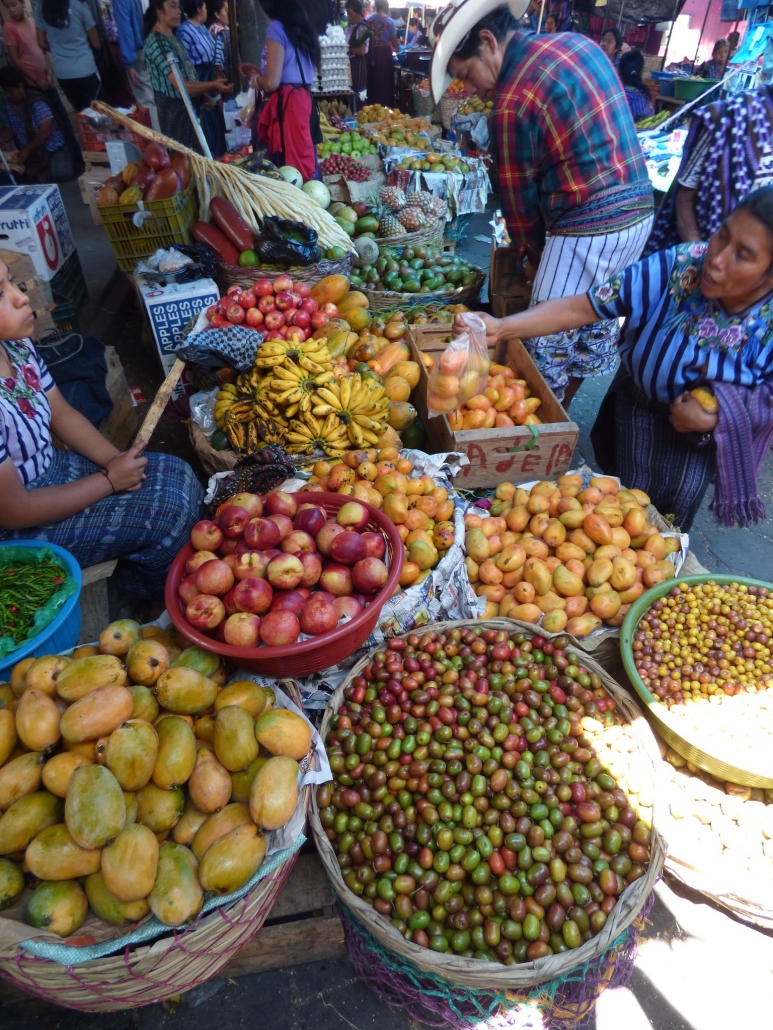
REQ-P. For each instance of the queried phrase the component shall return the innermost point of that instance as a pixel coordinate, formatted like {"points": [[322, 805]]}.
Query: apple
{"points": [[369, 575], [267, 304], [211, 311], [242, 629], [296, 298], [326, 535], [319, 318], [280, 628], [297, 541], [323, 595], [254, 318], [231, 561], [205, 612], [336, 580], [284, 572], [214, 577], [247, 299], [260, 534], [274, 320], [349, 606], [196, 560], [301, 288], [235, 313], [305, 591], [187, 589], [375, 544], [284, 300], [290, 317], [282, 283], [353, 515], [234, 291], [253, 595], [272, 552], [289, 601], [278, 502], [219, 633], [348, 548], [219, 322], [302, 334], [309, 305], [251, 502], [206, 535], [302, 319], [310, 518], [264, 288], [312, 568], [232, 520], [363, 599], [285, 525], [250, 563], [229, 602], [318, 617], [230, 546], [330, 310], [223, 305]]}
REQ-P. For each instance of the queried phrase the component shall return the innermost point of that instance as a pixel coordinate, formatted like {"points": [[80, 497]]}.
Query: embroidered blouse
{"points": [[674, 337], [156, 47], [25, 413]]}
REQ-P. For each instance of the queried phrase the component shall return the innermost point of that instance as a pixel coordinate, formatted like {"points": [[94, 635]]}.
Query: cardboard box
{"points": [[121, 424], [33, 222], [513, 455], [169, 309], [91, 182], [349, 192]]}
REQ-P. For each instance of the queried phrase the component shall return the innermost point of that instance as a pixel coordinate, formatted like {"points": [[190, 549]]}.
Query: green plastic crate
{"points": [[171, 223]]}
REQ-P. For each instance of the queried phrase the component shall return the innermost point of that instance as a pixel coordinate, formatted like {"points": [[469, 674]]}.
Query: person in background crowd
{"points": [[717, 66], [201, 47], [291, 57], [383, 43], [128, 20], [551, 25], [36, 133], [358, 37], [220, 30], [733, 41], [636, 93], [575, 191], [612, 45], [412, 32], [159, 23], [66, 28]]}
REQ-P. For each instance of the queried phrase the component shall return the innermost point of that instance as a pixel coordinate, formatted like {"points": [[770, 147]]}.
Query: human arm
{"points": [[554, 316], [93, 37], [43, 43], [271, 79], [194, 89], [686, 217], [42, 133], [393, 39], [687, 416], [126, 38]]}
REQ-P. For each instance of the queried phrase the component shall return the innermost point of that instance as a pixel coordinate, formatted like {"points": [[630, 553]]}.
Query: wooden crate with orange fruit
{"points": [[498, 448]]}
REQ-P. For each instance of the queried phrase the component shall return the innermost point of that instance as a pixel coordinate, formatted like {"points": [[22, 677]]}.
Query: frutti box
{"points": [[33, 221]]}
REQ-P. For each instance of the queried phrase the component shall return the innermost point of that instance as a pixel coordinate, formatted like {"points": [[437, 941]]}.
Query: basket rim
{"points": [[393, 297], [472, 972]]}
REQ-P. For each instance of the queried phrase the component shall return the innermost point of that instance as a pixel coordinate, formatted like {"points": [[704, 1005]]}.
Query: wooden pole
{"points": [[160, 401], [541, 16], [233, 23], [703, 26], [187, 101]]}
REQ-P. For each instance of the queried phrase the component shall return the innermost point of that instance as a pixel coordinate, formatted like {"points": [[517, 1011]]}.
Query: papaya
{"points": [[401, 415], [97, 714], [87, 674], [57, 772], [217, 825], [129, 864], [159, 809], [8, 735], [282, 732], [11, 882], [177, 895], [146, 661], [274, 792], [357, 317], [144, 704], [20, 777], [397, 390], [335, 325], [26, 818], [37, 720], [241, 781], [232, 860], [235, 743], [389, 357], [54, 855], [118, 638], [44, 672], [94, 810], [131, 753], [205, 662], [209, 785], [185, 691], [353, 299], [176, 755], [407, 370], [107, 906], [244, 693], [330, 290], [59, 907]]}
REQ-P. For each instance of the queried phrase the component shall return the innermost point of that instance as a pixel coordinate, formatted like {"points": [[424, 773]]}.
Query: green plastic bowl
{"points": [[691, 746], [692, 88]]}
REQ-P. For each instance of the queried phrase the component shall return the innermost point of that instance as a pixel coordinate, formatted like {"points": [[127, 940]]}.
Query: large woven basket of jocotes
{"points": [[525, 809], [387, 300]]}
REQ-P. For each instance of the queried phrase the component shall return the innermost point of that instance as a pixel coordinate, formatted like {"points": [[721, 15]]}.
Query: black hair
{"points": [[382, 6], [214, 7], [56, 13], [355, 5], [616, 33], [630, 69], [759, 204], [150, 17], [499, 23], [720, 45], [192, 7], [296, 24], [10, 78], [413, 21]]}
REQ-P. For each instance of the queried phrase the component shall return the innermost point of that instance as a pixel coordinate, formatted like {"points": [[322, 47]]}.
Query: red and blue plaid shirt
{"points": [[564, 135]]}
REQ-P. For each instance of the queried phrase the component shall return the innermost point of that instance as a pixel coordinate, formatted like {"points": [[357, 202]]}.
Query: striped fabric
{"points": [[563, 133], [640, 105], [156, 47], [674, 337], [25, 414], [198, 42]]}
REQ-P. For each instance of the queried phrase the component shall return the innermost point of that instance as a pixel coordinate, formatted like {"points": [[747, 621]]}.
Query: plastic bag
{"points": [[287, 243], [202, 412], [462, 369], [47, 612]]}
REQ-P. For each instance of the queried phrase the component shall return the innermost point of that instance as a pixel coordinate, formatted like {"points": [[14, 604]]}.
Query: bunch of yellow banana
{"points": [[307, 433], [293, 385], [272, 353], [226, 396], [359, 404]]}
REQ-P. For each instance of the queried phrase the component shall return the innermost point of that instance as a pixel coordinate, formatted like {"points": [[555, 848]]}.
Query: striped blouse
{"points": [[25, 413], [155, 48], [198, 42], [674, 337]]}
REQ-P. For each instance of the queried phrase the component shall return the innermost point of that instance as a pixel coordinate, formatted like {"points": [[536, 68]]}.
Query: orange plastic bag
{"points": [[462, 369]]}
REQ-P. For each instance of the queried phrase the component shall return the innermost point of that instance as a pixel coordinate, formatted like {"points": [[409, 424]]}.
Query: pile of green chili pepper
{"points": [[23, 590]]}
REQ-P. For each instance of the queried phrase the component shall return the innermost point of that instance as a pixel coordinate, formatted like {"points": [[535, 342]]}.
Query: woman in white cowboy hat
{"points": [[574, 186]]}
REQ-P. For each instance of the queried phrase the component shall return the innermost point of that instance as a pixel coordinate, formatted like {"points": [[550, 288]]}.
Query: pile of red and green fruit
{"points": [[268, 569], [352, 144], [275, 307], [421, 268], [156, 176], [338, 164]]}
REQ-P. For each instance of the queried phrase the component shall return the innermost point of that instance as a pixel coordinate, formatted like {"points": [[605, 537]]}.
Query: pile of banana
{"points": [[359, 404], [247, 423]]}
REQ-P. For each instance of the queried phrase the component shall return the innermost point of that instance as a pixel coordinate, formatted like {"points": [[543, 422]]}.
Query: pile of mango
{"points": [[132, 781], [419, 508], [572, 557]]}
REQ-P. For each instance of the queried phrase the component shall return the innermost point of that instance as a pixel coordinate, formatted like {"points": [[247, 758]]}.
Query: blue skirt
{"points": [[144, 530]]}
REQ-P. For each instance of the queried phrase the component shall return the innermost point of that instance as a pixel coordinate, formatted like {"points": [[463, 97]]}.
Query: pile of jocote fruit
{"points": [[417, 269], [131, 782], [468, 806], [271, 568]]}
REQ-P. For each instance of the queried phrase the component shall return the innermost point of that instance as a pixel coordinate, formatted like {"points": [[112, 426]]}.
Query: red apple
{"points": [[375, 544], [196, 560], [231, 561], [251, 502], [211, 311], [336, 580], [298, 541], [310, 518], [282, 283], [302, 319], [234, 291], [353, 515], [260, 534], [290, 317], [223, 305], [301, 288], [319, 318], [253, 595], [264, 288], [296, 298], [229, 602], [205, 612], [318, 617], [284, 300], [363, 599], [369, 575], [232, 520], [254, 318], [302, 334], [214, 577], [348, 548], [289, 601], [323, 595], [230, 546], [242, 547], [278, 502], [272, 552], [284, 572], [247, 299], [274, 320], [304, 590], [206, 535], [267, 304], [187, 589], [251, 563], [242, 630], [285, 525], [326, 535], [312, 568], [310, 305], [330, 310], [219, 322], [280, 628], [235, 313], [349, 606]]}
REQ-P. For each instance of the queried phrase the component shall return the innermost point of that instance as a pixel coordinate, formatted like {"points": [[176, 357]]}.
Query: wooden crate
{"points": [[514, 455], [509, 290], [121, 424], [91, 182]]}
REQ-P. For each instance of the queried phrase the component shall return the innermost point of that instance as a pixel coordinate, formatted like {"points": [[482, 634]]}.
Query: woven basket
{"points": [[431, 234], [385, 300], [473, 973], [164, 967], [232, 275], [448, 108]]}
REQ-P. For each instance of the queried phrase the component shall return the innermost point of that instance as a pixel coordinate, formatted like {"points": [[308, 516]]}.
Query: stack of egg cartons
{"points": [[334, 74]]}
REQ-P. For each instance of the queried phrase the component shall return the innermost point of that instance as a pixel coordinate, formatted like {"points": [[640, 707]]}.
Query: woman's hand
{"points": [[222, 86], [125, 470], [687, 416], [493, 327]]}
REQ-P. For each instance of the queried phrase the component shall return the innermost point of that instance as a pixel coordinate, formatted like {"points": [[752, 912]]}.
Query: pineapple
{"points": [[393, 197], [412, 219], [422, 199], [389, 226], [437, 208]]}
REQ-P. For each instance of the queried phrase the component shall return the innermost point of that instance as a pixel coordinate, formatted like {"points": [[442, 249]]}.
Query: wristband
{"points": [[106, 474]]}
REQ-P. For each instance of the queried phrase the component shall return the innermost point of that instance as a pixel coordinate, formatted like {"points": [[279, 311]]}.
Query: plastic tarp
{"points": [[640, 12]]}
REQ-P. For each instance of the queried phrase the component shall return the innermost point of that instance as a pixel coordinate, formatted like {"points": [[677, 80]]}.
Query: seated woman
{"points": [[636, 93], [35, 130], [95, 501], [717, 66], [697, 313]]}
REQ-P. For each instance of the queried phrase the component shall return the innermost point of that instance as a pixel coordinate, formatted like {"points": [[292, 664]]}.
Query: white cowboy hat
{"points": [[450, 28]]}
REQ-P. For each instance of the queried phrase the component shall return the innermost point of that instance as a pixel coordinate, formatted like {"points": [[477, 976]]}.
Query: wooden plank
{"points": [[95, 611], [120, 424], [307, 890], [290, 944], [160, 401], [104, 570]]}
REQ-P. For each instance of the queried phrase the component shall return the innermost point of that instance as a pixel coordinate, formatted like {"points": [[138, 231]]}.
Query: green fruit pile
{"points": [[418, 269], [350, 143]]}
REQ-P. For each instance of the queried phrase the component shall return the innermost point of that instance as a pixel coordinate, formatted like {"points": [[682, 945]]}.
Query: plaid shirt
{"points": [[563, 132]]}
